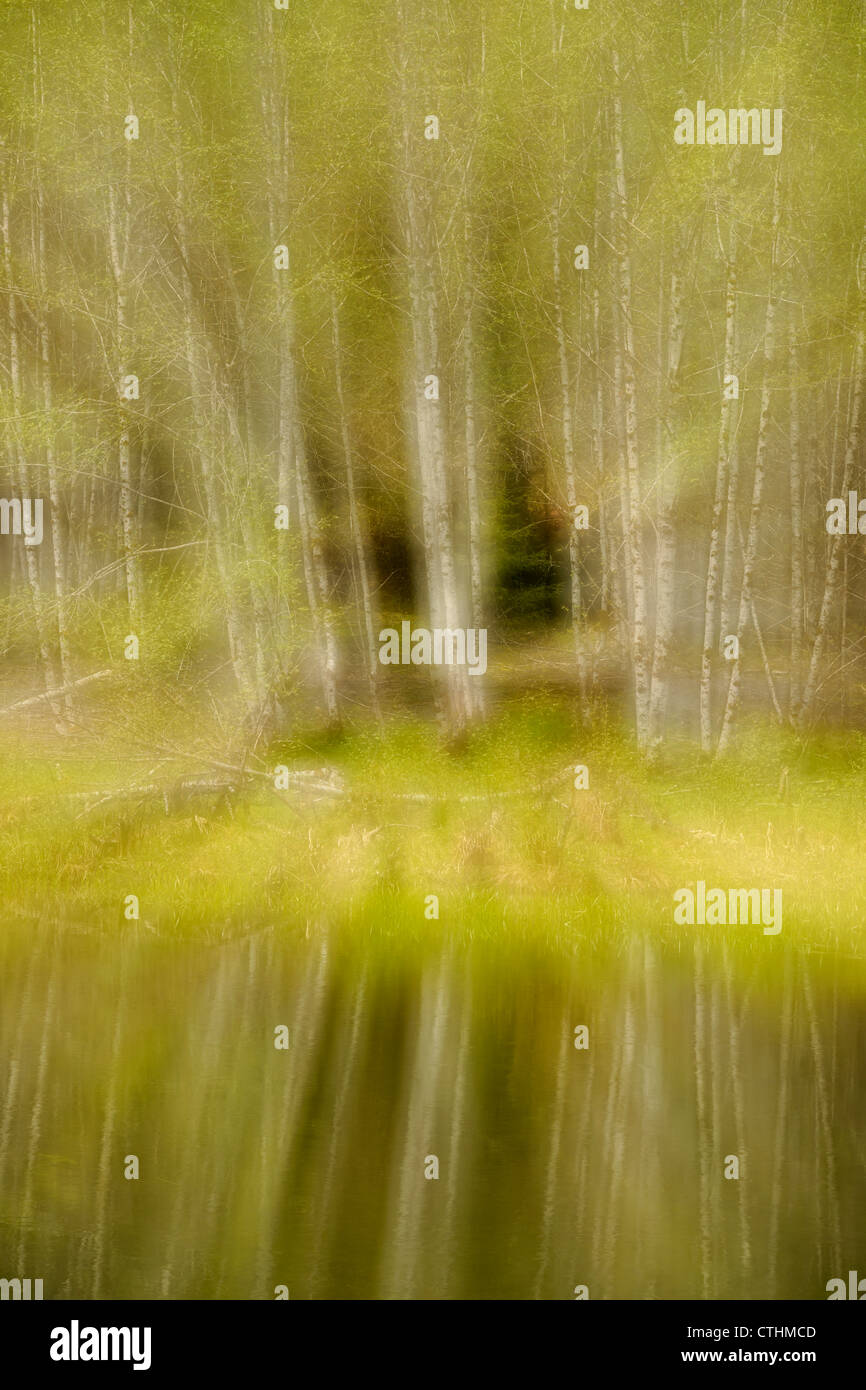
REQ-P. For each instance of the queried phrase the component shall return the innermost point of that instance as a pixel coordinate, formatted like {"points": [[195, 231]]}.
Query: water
{"points": [[305, 1167]]}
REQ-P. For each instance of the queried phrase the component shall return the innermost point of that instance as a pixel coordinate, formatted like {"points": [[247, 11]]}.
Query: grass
{"points": [[529, 858]]}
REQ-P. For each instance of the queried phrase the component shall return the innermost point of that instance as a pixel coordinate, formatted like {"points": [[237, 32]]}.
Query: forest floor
{"points": [[384, 833]]}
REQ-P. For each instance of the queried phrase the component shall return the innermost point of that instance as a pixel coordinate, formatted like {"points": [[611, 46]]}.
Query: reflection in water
{"points": [[306, 1166]]}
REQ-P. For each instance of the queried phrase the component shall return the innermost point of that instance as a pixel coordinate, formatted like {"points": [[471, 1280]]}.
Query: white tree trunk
{"points": [[796, 479], [831, 579], [626, 334], [667, 490], [722, 463], [201, 401], [31, 553], [433, 459], [746, 595], [567, 420], [358, 539]]}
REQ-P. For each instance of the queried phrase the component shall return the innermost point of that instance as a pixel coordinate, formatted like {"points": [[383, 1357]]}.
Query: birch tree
{"points": [[625, 329], [751, 550]]}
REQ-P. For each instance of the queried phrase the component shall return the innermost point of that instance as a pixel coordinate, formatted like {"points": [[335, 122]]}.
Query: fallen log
{"points": [[175, 793], [53, 694]]}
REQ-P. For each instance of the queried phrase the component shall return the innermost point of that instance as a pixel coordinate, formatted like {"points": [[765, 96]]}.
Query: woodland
{"points": [[317, 320]]}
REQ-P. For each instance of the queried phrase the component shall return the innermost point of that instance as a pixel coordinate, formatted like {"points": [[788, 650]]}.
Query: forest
{"points": [[431, 550], [318, 321]]}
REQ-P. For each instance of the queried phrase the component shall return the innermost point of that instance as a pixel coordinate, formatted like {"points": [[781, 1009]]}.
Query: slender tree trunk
{"points": [[315, 571], [456, 676], [577, 622], [240, 487], [204, 444], [58, 536], [831, 579], [608, 596], [119, 222], [746, 596], [667, 487], [31, 553], [277, 137], [730, 554], [362, 567], [432, 453], [598, 449], [470, 436], [722, 461], [796, 477], [626, 333], [624, 591], [293, 463]]}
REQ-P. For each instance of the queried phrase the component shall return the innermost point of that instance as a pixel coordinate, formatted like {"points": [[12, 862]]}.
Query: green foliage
{"points": [[496, 830]]}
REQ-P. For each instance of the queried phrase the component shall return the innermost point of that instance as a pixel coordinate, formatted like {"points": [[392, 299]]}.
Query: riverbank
{"points": [[533, 828]]}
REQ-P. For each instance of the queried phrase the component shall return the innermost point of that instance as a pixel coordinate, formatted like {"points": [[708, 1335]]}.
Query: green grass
{"points": [[552, 865]]}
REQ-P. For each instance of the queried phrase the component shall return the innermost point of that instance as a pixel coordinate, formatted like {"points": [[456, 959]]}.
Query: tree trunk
{"points": [[625, 327], [31, 553], [473, 499], [58, 536], [568, 460], [445, 607], [362, 569], [119, 220], [746, 596], [722, 461], [831, 579], [201, 399], [667, 491], [292, 451], [796, 477]]}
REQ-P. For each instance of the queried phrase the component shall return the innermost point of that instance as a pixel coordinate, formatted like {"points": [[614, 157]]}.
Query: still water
{"points": [[304, 1166]]}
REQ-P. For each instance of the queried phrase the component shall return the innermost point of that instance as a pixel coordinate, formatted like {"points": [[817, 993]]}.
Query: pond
{"points": [[323, 1116]]}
